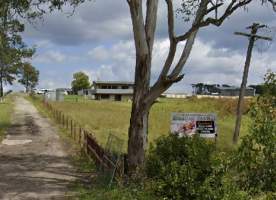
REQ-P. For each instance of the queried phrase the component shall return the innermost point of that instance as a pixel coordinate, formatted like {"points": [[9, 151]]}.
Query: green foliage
{"points": [[12, 48], [255, 160], [28, 76], [81, 81], [180, 168], [190, 168], [97, 192]]}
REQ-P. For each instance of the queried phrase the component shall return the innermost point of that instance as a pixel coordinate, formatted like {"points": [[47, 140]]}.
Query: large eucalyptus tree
{"points": [[205, 13]]}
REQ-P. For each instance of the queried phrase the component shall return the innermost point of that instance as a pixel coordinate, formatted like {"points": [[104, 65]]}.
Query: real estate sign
{"points": [[188, 124]]}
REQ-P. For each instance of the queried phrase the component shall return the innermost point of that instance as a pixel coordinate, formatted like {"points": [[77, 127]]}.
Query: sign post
{"points": [[188, 124]]}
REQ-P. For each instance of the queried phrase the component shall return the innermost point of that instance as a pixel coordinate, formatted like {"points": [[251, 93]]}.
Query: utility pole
{"points": [[252, 38]]}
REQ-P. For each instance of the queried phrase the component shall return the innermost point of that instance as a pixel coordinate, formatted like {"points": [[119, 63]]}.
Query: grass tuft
{"points": [[5, 115]]}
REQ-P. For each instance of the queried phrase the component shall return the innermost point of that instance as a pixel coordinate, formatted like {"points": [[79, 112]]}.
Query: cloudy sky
{"points": [[98, 40]]}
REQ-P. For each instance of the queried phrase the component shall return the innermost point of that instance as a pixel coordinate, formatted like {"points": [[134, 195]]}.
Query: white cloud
{"points": [[50, 56], [104, 72], [99, 53], [206, 64]]}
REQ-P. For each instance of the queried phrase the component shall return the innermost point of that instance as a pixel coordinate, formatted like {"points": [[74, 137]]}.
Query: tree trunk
{"points": [[137, 142], [143, 32], [242, 89], [138, 129]]}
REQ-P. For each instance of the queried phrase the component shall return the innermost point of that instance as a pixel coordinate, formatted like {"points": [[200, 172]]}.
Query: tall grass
{"points": [[5, 115], [104, 117]]}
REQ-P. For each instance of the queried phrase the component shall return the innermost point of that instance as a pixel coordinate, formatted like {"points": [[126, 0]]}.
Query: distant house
{"points": [[234, 91], [109, 90], [220, 90]]}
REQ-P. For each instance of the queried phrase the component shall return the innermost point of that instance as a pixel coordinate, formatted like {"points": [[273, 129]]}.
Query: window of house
{"points": [[105, 96]]}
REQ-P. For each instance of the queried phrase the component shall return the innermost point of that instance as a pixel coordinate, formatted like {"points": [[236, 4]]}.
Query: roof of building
{"points": [[233, 88], [113, 91], [114, 82]]}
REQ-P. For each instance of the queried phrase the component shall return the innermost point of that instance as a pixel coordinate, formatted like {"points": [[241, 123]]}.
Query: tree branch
{"points": [[163, 83], [233, 6], [140, 37], [150, 27], [173, 43], [190, 41], [273, 3]]}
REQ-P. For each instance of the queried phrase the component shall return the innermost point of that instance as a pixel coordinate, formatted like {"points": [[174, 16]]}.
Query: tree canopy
{"points": [[13, 51], [80, 82], [29, 76]]}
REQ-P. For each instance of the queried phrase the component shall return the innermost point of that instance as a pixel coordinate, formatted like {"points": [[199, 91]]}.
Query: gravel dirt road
{"points": [[33, 160]]}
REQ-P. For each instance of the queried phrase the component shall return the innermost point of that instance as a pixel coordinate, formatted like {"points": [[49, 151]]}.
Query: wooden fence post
{"points": [[80, 135], [63, 120], [67, 122], [74, 131], [71, 127], [60, 117], [85, 142]]}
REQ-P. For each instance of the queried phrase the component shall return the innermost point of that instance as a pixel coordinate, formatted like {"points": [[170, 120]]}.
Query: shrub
{"points": [[179, 167], [255, 160]]}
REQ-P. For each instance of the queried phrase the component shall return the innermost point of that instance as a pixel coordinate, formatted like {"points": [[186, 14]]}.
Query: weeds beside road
{"points": [[5, 114]]}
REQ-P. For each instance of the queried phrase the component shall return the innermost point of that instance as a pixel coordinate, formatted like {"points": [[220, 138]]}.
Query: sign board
{"points": [[188, 124]]}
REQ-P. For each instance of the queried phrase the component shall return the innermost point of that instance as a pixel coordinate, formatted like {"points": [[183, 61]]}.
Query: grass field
{"points": [[5, 113], [104, 117]]}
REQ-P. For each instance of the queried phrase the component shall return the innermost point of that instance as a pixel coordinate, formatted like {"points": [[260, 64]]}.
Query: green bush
{"points": [[180, 168], [255, 160]]}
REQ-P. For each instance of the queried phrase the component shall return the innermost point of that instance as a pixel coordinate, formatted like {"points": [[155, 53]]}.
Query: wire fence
{"points": [[109, 159]]}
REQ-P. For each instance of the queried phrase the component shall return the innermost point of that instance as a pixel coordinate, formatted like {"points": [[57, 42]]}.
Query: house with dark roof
{"points": [[234, 91], [220, 90], [109, 90]]}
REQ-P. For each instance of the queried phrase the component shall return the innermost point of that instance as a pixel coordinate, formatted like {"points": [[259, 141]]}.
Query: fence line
{"points": [[86, 140]]}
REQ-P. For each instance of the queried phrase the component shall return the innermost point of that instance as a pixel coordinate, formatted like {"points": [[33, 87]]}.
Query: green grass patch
{"points": [[104, 117], [6, 108], [114, 193]]}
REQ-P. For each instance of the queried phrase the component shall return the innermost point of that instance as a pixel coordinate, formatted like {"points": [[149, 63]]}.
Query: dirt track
{"points": [[33, 163]]}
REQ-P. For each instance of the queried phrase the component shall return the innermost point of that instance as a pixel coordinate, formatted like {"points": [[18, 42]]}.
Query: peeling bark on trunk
{"points": [[137, 137], [144, 37], [138, 129]]}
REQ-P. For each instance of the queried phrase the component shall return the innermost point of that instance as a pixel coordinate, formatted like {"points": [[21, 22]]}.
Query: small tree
{"points": [[255, 160], [28, 76], [80, 82]]}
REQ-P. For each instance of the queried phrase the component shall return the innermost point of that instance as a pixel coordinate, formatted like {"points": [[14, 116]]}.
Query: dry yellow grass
{"points": [[104, 117]]}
